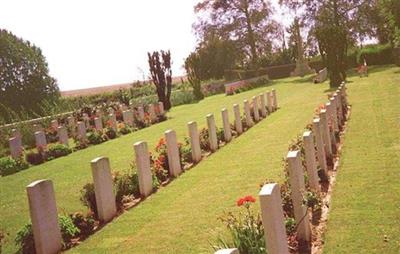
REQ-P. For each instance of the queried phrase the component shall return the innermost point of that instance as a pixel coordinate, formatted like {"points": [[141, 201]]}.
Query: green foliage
{"points": [[58, 150], [204, 140], [312, 200], [290, 225], [88, 198], [85, 224], [125, 185], [24, 76], [186, 151], [68, 229], [95, 137], [192, 66], [34, 158], [9, 166], [24, 239], [376, 55], [246, 230]]}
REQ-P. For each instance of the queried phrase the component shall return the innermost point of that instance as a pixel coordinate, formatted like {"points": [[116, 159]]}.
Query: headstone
{"points": [[44, 217], [82, 131], [194, 141], [269, 102], [71, 124], [161, 108], [249, 121], [54, 124], [141, 113], [226, 125], [37, 127], [62, 135], [338, 110], [40, 139], [212, 133], [103, 188], [273, 220], [320, 145], [15, 147], [274, 100], [311, 163], [333, 101], [262, 105], [86, 120], [326, 137], [113, 121], [238, 119], [174, 161], [16, 133], [142, 156], [99, 113], [126, 115], [98, 124], [329, 115], [296, 179], [255, 109], [152, 112], [227, 251]]}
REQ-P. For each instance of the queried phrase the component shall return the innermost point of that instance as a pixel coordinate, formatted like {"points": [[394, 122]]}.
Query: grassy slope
{"points": [[366, 198], [249, 156], [182, 218]]}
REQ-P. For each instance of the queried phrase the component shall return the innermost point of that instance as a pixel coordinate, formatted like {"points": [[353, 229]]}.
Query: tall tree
{"points": [[161, 74], [245, 21], [24, 77], [334, 27], [193, 66]]}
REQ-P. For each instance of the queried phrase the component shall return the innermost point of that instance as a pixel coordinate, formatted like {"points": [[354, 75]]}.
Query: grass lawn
{"points": [[233, 171], [365, 211]]}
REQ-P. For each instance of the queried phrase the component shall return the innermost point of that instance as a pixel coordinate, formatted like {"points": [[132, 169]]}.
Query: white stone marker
{"points": [[98, 124], [15, 147], [152, 112], [142, 156], [269, 102], [62, 135], [249, 121], [325, 132], [140, 113], [16, 133], [296, 179], [82, 131], [194, 141], [86, 120], [274, 100], [99, 113], [44, 217], [54, 124], [329, 114], [161, 108], [320, 145], [37, 127], [263, 105], [126, 115], [103, 188], [226, 124], [40, 139], [174, 161], [227, 251], [334, 112], [311, 163], [71, 124], [113, 120], [255, 109], [273, 219], [212, 133], [339, 108], [238, 119]]}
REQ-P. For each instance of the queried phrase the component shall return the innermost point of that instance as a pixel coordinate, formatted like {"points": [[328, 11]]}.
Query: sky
{"points": [[91, 43]]}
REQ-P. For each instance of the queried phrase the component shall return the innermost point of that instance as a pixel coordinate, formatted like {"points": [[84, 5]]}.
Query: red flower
{"points": [[244, 200]]}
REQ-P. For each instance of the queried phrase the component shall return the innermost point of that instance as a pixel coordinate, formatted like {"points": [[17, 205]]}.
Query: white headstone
{"points": [[212, 133], [98, 124], [325, 132], [62, 135], [40, 138], [142, 156], [320, 145], [238, 119], [269, 102], [226, 125], [311, 163], [262, 105], [255, 109], [249, 121], [174, 161], [194, 141], [82, 131], [15, 147]]}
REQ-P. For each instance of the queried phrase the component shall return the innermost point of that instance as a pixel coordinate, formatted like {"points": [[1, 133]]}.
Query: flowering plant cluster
{"points": [[246, 201]]}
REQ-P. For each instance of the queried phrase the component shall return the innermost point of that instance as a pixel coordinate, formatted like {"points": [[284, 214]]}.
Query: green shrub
{"points": [[95, 137], [88, 198], [204, 140], [9, 166], [376, 55], [110, 133], [125, 185], [26, 244], [220, 135], [290, 225], [58, 150], [181, 97], [85, 224], [185, 151]]}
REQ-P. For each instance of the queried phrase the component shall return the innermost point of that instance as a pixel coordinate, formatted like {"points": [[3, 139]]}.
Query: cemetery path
{"points": [[365, 209], [182, 218]]}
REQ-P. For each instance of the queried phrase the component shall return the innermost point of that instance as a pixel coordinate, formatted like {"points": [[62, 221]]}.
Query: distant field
{"points": [[105, 89]]}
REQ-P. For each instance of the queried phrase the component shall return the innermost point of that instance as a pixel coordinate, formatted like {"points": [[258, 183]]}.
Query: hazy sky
{"points": [[90, 43]]}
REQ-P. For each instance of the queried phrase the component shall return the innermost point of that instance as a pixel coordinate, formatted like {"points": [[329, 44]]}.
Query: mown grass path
{"points": [[182, 218], [196, 198], [365, 212]]}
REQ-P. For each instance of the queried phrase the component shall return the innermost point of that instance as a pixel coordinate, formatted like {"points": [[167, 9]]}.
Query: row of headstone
{"points": [[270, 197], [78, 128], [42, 202]]}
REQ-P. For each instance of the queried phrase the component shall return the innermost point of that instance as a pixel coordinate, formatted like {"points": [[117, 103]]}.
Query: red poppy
{"points": [[246, 199]]}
